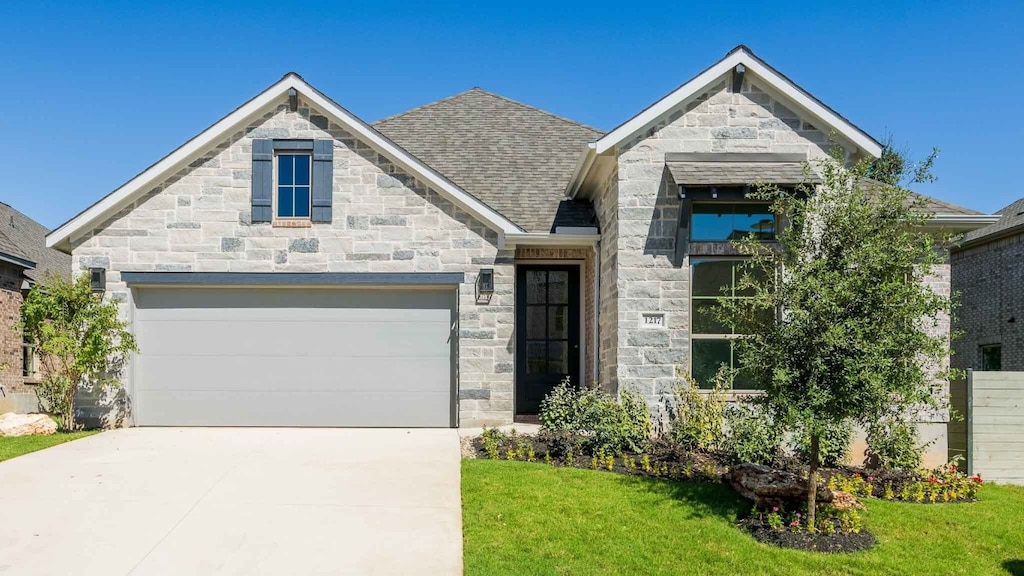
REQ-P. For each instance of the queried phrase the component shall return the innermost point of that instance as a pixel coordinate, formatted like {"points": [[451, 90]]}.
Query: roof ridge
{"points": [[534, 108], [427, 105], [480, 90]]}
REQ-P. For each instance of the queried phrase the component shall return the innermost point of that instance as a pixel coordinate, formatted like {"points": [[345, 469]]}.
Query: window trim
{"points": [[29, 361], [289, 151]]}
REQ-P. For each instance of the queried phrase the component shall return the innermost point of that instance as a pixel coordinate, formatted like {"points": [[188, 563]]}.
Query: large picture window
{"points": [[712, 344], [726, 221]]}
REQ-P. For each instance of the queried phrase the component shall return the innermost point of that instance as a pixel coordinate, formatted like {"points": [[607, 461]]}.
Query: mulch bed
{"points": [[817, 542]]}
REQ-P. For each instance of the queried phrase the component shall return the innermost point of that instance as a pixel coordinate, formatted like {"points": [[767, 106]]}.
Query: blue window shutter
{"points": [[323, 179], [262, 180]]}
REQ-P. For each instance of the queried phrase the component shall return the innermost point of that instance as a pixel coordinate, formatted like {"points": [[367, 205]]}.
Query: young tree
{"points": [[840, 317], [79, 339]]}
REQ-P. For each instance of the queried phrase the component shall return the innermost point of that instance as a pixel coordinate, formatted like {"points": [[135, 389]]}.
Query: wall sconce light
{"points": [[293, 99], [485, 282], [98, 280]]}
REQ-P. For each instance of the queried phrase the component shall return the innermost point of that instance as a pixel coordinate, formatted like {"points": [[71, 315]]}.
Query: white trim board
{"points": [[766, 74], [76, 227]]}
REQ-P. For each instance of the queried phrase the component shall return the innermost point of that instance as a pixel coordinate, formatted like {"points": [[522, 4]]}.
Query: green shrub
{"points": [[833, 446], [894, 443], [751, 434], [696, 418], [590, 420]]}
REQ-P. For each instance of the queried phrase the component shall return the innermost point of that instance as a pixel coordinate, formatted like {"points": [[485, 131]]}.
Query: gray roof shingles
{"points": [[1012, 220], [27, 240], [515, 158]]}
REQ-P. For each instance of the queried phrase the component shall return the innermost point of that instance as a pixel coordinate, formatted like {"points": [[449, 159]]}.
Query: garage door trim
{"points": [[295, 278]]}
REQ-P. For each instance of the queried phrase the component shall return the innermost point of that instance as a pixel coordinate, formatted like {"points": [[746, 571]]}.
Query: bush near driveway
{"points": [[525, 519]]}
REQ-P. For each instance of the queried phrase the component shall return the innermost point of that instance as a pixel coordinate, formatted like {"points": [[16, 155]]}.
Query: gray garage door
{"points": [[294, 357]]}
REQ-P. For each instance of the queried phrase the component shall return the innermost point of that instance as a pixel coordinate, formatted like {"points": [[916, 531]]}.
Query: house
{"points": [[295, 265], [24, 261], [988, 275]]}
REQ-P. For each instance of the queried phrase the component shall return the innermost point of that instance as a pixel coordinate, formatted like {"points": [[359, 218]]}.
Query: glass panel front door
{"points": [[547, 332]]}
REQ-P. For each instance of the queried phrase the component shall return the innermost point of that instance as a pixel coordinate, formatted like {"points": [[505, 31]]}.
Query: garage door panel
{"points": [[292, 375], [246, 356], [281, 408], [297, 339]]}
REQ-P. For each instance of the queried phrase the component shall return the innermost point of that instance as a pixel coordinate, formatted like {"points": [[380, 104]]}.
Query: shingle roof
{"points": [[1012, 219], [515, 158], [28, 239]]}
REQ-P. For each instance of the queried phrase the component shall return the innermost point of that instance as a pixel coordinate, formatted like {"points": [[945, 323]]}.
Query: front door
{"points": [[547, 332]]}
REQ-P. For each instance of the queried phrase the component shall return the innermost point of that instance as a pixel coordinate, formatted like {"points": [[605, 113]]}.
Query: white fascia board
{"points": [[579, 174], [192, 149], [754, 67], [544, 239], [965, 221]]}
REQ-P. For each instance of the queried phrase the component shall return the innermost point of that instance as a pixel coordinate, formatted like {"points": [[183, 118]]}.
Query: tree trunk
{"points": [[69, 417], [812, 479]]}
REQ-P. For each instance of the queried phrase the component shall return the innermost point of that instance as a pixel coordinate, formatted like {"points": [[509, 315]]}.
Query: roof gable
{"points": [[194, 148], [515, 157], [1011, 221], [766, 77]]}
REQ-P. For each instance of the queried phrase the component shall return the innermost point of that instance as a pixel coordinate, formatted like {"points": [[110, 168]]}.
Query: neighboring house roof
{"points": [[1011, 221], [770, 79], [24, 238], [514, 157], [247, 113]]}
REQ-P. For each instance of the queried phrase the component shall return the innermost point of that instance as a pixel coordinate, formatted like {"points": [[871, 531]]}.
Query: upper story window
{"points": [[727, 221], [293, 185]]}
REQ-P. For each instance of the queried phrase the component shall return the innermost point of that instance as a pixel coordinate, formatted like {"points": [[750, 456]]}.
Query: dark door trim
{"points": [[555, 329]]}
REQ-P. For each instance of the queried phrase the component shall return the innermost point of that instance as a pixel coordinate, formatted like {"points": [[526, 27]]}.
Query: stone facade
{"points": [[989, 281], [641, 252], [384, 220]]}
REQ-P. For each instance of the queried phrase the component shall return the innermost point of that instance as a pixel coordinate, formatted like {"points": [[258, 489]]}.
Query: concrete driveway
{"points": [[235, 501]]}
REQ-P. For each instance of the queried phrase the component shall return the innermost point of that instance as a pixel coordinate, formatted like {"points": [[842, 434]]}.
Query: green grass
{"points": [[521, 518], [12, 447]]}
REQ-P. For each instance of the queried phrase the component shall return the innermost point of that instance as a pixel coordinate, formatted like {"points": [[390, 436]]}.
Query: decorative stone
{"points": [[232, 245], [12, 424], [769, 487], [307, 245]]}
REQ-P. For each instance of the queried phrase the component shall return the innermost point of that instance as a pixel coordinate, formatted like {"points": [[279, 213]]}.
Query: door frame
{"points": [[575, 262]]}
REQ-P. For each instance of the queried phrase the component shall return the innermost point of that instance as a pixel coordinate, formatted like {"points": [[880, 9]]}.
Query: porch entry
{"points": [[547, 331]]}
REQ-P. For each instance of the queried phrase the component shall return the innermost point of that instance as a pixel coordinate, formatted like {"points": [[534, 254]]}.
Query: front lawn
{"points": [[11, 447], [522, 518]]}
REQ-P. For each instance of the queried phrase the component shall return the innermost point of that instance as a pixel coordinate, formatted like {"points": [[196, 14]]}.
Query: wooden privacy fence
{"points": [[990, 436]]}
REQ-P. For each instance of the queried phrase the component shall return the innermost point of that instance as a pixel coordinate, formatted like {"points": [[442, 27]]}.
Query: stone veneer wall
{"points": [[606, 206], [989, 279], [648, 280], [586, 255], [384, 220]]}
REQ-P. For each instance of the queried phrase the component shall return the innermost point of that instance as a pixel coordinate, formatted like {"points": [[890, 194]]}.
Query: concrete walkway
{"points": [[205, 501]]}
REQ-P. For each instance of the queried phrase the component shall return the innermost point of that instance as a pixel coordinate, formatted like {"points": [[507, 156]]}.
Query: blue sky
{"points": [[93, 94]]}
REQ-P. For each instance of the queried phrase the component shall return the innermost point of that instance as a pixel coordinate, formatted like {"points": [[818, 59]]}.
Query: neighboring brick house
{"points": [[988, 276], [24, 260], [293, 265]]}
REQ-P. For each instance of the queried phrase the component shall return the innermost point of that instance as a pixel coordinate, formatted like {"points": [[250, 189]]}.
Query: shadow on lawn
{"points": [[703, 500], [1014, 567]]}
